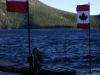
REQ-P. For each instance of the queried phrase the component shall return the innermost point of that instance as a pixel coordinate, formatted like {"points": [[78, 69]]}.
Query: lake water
{"points": [[60, 48]]}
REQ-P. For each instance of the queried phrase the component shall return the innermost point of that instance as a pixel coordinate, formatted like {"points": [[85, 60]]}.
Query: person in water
{"points": [[37, 61]]}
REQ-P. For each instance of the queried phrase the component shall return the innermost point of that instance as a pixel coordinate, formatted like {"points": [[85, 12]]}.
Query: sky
{"points": [[70, 5]]}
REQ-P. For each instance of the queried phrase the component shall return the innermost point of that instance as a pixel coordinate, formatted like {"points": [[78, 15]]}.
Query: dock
{"points": [[22, 69]]}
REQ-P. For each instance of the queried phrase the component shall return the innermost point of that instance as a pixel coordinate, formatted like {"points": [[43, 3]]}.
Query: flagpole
{"points": [[89, 43], [28, 27], [30, 54]]}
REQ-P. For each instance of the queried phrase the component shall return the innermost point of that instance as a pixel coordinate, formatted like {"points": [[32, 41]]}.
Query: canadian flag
{"points": [[83, 16], [17, 6]]}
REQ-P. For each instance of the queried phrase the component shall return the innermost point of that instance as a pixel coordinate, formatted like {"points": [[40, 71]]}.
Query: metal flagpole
{"points": [[30, 55], [89, 43]]}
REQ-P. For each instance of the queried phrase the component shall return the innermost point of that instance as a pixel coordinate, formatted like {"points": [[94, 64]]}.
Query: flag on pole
{"points": [[17, 6], [83, 16]]}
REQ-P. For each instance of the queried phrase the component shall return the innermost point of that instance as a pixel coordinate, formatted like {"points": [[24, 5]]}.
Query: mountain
{"points": [[40, 16]]}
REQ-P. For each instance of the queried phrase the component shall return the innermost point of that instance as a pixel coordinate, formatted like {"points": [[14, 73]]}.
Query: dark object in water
{"points": [[22, 69], [25, 70]]}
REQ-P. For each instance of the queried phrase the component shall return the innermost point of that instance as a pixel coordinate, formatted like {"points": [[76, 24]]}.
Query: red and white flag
{"points": [[83, 16], [17, 6]]}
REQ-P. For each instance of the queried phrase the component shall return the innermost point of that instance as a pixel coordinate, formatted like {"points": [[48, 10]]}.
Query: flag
{"points": [[17, 6], [83, 16]]}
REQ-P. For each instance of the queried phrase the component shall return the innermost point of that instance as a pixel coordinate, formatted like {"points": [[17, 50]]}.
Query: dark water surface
{"points": [[60, 48]]}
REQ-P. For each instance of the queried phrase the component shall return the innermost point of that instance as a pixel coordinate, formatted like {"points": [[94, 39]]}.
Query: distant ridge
{"points": [[41, 16]]}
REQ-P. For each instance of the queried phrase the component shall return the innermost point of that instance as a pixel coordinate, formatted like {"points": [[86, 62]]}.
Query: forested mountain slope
{"points": [[41, 16]]}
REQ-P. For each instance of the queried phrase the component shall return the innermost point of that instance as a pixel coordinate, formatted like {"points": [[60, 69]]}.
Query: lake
{"points": [[60, 48]]}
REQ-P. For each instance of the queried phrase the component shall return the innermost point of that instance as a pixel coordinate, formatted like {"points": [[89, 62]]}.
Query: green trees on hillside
{"points": [[41, 17]]}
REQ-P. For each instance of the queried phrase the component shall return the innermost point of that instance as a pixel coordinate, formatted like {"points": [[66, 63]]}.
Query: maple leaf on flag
{"points": [[83, 17]]}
